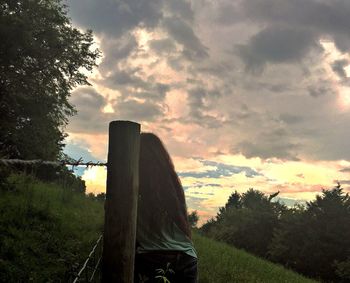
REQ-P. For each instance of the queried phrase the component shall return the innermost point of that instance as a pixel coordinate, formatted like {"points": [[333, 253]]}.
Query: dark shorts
{"points": [[177, 267]]}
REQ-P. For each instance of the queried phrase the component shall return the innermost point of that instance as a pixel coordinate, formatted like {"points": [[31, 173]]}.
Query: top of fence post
{"points": [[121, 202]]}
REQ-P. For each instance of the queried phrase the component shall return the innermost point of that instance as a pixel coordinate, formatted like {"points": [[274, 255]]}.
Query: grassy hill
{"points": [[47, 231], [219, 263]]}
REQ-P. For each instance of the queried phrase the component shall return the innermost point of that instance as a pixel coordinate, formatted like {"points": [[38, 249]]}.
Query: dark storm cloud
{"points": [[272, 144], [342, 41], [276, 45], [92, 119], [221, 170], [316, 91], [163, 46], [292, 29], [114, 23], [216, 69], [266, 150], [180, 8], [115, 50], [88, 99], [196, 100], [227, 13], [176, 63], [124, 80], [120, 48], [338, 67], [327, 16], [134, 110], [114, 17], [184, 35], [200, 100]]}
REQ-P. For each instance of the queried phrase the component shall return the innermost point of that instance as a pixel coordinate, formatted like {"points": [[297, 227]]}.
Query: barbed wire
{"points": [[95, 266], [79, 162], [93, 262]]}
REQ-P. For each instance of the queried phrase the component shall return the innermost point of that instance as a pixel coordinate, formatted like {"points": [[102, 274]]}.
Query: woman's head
{"points": [[160, 189]]}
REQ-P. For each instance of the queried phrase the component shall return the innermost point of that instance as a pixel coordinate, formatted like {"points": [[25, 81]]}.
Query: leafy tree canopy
{"points": [[312, 239], [316, 240], [42, 58]]}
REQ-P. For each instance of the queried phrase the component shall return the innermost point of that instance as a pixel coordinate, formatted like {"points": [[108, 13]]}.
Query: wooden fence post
{"points": [[121, 202]]}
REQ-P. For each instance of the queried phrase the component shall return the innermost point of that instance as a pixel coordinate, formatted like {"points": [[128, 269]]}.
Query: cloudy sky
{"points": [[243, 93]]}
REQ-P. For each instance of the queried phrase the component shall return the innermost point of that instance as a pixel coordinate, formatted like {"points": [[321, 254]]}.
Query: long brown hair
{"points": [[161, 194]]}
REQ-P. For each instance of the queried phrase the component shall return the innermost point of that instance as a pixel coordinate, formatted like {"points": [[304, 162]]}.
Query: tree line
{"points": [[42, 59], [313, 239]]}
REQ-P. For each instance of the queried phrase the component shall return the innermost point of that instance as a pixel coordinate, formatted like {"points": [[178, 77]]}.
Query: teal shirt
{"points": [[174, 240]]}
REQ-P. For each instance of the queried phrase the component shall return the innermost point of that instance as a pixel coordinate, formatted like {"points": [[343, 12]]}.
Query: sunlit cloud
{"points": [[239, 97], [95, 179]]}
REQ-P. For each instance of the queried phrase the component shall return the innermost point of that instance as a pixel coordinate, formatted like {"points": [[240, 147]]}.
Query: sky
{"points": [[244, 94]]}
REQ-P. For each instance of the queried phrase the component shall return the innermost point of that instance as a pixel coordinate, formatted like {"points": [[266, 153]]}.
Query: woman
{"points": [[164, 246]]}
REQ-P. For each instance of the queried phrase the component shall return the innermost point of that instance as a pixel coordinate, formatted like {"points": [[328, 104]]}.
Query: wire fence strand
{"points": [[8, 162], [91, 269]]}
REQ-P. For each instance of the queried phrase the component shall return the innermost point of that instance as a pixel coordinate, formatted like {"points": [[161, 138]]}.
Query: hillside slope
{"points": [[47, 231], [221, 263]]}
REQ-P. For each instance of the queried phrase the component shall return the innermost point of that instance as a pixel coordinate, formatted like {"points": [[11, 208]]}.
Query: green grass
{"points": [[46, 231], [221, 263]]}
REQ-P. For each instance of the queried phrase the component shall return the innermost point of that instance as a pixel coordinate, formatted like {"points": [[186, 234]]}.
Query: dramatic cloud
{"points": [[338, 67], [277, 45], [90, 105], [113, 18], [181, 32], [258, 89]]}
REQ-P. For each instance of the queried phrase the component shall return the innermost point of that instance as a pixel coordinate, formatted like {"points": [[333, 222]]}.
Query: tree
{"points": [[234, 200], [42, 58], [343, 270], [246, 221], [207, 227], [193, 218], [101, 197], [316, 240]]}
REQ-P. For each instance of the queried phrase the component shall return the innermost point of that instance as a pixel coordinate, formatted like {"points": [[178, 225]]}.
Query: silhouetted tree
{"points": [[315, 240], [42, 58], [234, 201], [193, 218], [101, 196], [246, 221]]}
